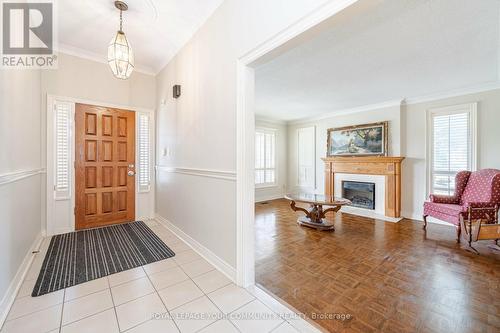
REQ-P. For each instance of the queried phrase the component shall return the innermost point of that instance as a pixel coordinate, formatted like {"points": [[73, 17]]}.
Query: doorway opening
{"points": [[100, 164], [306, 28], [355, 75]]}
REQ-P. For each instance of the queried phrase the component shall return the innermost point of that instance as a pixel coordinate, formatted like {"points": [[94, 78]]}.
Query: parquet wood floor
{"points": [[389, 277]]}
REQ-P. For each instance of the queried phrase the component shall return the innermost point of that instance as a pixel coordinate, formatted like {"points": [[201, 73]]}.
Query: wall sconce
{"points": [[177, 91]]}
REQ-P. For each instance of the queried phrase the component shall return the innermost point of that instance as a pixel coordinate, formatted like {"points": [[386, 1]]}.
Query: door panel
{"points": [[105, 166]]}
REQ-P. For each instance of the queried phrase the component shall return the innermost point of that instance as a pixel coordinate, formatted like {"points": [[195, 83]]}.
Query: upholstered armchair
{"points": [[479, 189]]}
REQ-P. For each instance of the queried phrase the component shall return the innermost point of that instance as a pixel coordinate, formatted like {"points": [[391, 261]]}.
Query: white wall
{"points": [[20, 201], [415, 123], [86, 79], [23, 143], [392, 114], [407, 130], [200, 127], [279, 189], [90, 80]]}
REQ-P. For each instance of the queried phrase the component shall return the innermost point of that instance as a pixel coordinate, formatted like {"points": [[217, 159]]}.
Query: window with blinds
{"points": [[265, 157], [452, 146], [306, 156], [144, 150], [62, 130]]}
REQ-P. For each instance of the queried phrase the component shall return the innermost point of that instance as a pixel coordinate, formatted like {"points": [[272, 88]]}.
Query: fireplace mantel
{"points": [[388, 166]]}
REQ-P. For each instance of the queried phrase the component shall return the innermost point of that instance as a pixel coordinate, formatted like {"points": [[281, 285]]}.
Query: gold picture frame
{"points": [[358, 140]]}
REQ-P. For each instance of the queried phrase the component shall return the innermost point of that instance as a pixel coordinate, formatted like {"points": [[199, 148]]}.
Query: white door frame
{"points": [[65, 212], [245, 135]]}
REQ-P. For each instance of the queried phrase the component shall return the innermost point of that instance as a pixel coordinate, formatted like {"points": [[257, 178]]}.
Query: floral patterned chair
{"points": [[479, 189]]}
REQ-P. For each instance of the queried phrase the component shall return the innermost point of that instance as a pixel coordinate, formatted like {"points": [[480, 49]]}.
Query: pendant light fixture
{"points": [[120, 54]]}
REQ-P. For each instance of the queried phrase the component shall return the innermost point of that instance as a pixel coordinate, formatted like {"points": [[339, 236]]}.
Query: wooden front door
{"points": [[105, 166]]}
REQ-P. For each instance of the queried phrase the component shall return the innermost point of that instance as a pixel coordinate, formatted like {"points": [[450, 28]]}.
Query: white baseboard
{"points": [[61, 231], [370, 214], [412, 216], [207, 254], [145, 218], [268, 198], [431, 220], [10, 295]]}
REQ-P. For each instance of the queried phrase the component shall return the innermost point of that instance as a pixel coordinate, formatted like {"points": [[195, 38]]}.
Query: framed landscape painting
{"points": [[359, 140]]}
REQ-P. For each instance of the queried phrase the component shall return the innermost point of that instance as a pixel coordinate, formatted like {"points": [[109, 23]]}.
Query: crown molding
{"points": [[489, 86], [344, 112], [93, 56], [453, 93], [270, 120]]}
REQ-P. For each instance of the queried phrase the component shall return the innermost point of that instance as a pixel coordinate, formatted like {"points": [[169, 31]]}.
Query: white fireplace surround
{"points": [[379, 181]]}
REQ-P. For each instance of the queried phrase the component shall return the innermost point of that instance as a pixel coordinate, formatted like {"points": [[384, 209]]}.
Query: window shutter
{"points": [[259, 158], [306, 156], [451, 149], [62, 181], [144, 153], [265, 157]]}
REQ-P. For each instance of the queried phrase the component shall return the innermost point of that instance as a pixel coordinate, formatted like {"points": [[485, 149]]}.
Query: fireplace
{"points": [[361, 194]]}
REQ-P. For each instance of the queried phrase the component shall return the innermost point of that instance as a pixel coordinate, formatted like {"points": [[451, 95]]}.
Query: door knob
{"points": [[130, 173]]}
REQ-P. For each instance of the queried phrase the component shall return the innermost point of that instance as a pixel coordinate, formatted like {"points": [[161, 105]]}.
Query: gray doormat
{"points": [[85, 255]]}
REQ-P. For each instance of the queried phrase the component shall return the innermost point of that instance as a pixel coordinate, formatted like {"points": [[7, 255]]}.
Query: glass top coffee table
{"points": [[315, 214]]}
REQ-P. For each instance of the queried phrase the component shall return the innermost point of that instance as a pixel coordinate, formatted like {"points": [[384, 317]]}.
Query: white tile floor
{"points": [[181, 294]]}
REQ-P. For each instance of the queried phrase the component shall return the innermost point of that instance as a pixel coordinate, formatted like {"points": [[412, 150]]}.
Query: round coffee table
{"points": [[315, 214]]}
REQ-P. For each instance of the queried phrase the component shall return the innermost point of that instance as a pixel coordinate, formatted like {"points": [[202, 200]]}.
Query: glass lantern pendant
{"points": [[120, 54]]}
